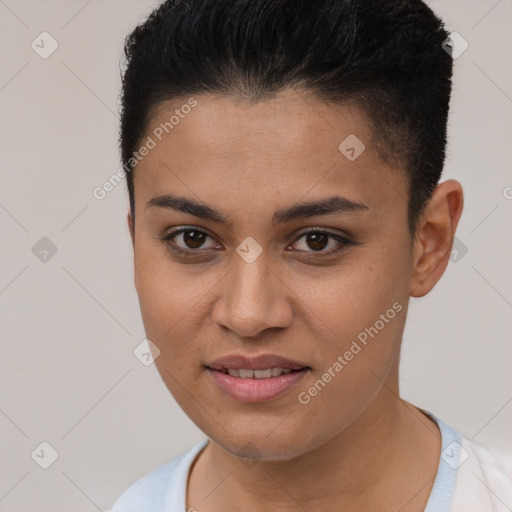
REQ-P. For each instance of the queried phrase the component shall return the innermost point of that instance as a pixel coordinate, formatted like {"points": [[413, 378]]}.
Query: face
{"points": [[241, 273]]}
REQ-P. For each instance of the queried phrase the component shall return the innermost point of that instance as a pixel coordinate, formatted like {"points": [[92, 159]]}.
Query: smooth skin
{"points": [[356, 445]]}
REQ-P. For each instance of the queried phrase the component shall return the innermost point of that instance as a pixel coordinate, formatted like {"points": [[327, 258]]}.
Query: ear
{"points": [[434, 236], [131, 227]]}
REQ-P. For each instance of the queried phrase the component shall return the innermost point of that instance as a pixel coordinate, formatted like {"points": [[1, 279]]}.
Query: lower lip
{"points": [[256, 390]]}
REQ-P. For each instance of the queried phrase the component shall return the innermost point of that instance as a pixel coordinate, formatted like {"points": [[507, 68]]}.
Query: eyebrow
{"points": [[331, 205]]}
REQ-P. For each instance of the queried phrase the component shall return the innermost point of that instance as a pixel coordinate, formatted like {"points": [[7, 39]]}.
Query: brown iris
{"points": [[317, 241], [194, 239]]}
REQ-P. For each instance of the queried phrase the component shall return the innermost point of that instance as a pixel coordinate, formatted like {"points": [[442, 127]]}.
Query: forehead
{"points": [[289, 122], [290, 146]]}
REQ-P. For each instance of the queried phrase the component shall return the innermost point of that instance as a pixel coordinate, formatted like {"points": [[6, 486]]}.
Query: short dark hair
{"points": [[384, 56]]}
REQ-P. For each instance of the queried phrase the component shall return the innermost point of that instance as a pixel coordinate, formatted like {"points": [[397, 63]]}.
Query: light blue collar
{"points": [[441, 497]]}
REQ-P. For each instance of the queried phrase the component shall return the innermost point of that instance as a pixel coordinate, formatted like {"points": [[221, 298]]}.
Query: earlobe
{"points": [[434, 237]]}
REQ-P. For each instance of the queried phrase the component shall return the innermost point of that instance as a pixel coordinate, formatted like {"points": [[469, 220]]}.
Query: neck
{"points": [[388, 455]]}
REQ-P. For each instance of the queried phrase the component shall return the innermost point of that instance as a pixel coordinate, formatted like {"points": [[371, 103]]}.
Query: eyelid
{"points": [[167, 237], [317, 229], [183, 228], [342, 239]]}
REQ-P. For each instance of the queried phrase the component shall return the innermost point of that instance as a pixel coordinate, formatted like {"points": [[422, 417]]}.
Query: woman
{"points": [[283, 162]]}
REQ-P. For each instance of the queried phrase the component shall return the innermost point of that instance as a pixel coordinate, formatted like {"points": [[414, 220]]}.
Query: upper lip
{"points": [[262, 362]]}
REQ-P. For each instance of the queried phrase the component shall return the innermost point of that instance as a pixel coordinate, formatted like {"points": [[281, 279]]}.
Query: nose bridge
{"points": [[251, 282], [252, 299]]}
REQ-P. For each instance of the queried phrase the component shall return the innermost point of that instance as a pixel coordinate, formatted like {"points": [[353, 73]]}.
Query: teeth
{"points": [[245, 373], [263, 374]]}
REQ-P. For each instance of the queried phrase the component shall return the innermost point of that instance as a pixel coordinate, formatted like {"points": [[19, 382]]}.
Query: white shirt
{"points": [[470, 478]]}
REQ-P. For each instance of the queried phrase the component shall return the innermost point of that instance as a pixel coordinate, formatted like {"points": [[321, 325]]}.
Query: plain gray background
{"points": [[68, 375]]}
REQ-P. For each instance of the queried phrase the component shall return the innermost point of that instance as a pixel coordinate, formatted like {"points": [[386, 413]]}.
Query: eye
{"points": [[192, 242], [188, 240], [317, 240]]}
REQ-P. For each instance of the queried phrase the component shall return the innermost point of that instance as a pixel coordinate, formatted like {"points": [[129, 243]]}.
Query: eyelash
{"points": [[191, 253]]}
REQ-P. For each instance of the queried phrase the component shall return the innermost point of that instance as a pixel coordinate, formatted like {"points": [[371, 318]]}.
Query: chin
{"points": [[259, 446]]}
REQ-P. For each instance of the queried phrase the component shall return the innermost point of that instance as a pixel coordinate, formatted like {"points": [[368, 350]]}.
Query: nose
{"points": [[253, 299]]}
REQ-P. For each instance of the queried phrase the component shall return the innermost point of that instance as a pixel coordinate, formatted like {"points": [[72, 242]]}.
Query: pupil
{"points": [[315, 240], [193, 239]]}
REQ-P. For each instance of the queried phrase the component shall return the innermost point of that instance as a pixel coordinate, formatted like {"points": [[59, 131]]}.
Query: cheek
{"points": [[167, 291], [351, 297], [175, 301], [163, 297], [170, 304], [352, 372], [362, 310]]}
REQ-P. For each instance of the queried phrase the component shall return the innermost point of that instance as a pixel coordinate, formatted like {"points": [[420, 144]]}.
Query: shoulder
{"points": [[484, 479], [156, 490]]}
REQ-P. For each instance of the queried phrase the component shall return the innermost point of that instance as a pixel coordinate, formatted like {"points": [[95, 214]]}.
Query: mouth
{"points": [[251, 373], [256, 379]]}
